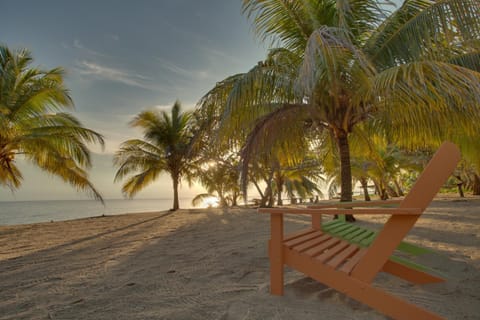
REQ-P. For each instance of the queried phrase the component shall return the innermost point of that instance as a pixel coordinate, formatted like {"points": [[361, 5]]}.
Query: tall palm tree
{"points": [[35, 127], [165, 148], [409, 74]]}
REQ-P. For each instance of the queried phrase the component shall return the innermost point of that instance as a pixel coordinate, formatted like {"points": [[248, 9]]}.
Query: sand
{"points": [[212, 264]]}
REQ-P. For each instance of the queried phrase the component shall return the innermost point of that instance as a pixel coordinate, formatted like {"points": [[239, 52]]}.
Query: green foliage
{"points": [[166, 147], [34, 126], [352, 68]]}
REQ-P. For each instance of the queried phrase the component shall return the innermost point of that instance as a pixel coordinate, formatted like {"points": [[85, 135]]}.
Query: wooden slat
{"points": [[360, 237], [347, 267], [297, 234], [353, 230], [302, 239], [342, 256], [309, 244], [332, 251], [339, 228], [367, 241], [320, 248], [331, 224], [353, 235]]}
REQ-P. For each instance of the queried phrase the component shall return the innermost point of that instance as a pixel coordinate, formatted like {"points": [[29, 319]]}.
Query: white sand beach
{"points": [[212, 264]]}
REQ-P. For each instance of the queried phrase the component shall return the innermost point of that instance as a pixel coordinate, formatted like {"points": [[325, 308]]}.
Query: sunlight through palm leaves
{"points": [[410, 74], [34, 127]]}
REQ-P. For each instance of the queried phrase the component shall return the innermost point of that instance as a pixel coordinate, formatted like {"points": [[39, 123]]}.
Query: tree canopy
{"points": [[35, 126]]}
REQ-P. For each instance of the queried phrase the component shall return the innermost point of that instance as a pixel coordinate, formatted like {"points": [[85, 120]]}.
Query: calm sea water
{"points": [[22, 212]]}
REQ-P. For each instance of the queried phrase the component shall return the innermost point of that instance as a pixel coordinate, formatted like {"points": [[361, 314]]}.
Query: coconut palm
{"points": [[220, 179], [165, 148], [409, 74], [35, 127]]}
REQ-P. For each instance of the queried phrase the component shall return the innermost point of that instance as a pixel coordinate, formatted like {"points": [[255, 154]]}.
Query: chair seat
{"points": [[326, 249]]}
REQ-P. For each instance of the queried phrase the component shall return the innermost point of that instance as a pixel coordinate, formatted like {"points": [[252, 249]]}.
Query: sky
{"points": [[123, 57]]}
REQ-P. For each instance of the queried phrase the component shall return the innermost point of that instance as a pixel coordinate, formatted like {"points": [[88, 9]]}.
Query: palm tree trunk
{"points": [[234, 199], [399, 189], [460, 186], [391, 191], [176, 205], [268, 193], [364, 183], [279, 192], [345, 171], [476, 184]]}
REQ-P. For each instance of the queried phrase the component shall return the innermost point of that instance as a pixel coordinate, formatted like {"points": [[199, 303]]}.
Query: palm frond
{"points": [[425, 28], [270, 133], [418, 102], [199, 198], [283, 20]]}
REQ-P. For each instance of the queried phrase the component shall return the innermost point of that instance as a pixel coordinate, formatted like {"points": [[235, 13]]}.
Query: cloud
{"points": [[214, 54], [79, 45], [112, 36], [179, 71], [168, 107], [117, 75]]}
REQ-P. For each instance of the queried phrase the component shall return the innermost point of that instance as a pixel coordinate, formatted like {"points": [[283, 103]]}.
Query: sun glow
{"points": [[210, 202]]}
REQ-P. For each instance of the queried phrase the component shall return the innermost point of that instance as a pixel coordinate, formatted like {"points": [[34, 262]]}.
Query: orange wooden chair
{"points": [[349, 268]]}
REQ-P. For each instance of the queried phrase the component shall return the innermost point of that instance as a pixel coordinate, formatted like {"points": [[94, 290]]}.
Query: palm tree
{"points": [[409, 74], [220, 179], [35, 127], [165, 148]]}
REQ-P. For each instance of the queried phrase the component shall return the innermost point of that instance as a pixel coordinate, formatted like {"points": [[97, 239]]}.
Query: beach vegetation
{"points": [[220, 178], [165, 148], [36, 125], [344, 69]]}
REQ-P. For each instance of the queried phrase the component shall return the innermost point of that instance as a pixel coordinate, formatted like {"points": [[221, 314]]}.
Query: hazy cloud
{"points": [[115, 37], [180, 71], [79, 45], [117, 75]]}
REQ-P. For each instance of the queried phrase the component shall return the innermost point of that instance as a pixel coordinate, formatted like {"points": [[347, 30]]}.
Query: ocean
{"points": [[24, 212]]}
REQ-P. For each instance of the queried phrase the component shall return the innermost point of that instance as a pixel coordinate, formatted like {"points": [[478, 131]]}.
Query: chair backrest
{"points": [[433, 177], [435, 174]]}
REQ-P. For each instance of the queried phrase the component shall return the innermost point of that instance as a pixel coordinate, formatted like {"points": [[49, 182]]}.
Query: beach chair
{"points": [[350, 268]]}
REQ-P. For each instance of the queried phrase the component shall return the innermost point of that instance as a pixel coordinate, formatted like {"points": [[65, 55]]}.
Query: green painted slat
{"points": [[339, 228], [359, 236], [331, 224], [417, 266], [368, 241], [344, 233], [358, 231], [364, 238], [367, 236], [413, 249]]}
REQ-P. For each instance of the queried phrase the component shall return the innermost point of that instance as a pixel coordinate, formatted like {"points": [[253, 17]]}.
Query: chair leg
{"points": [[276, 254]]}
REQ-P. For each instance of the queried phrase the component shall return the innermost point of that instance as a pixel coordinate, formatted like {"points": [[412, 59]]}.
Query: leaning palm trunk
{"points": [[364, 183]]}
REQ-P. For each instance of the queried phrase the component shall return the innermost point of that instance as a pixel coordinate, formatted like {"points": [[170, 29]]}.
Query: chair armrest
{"points": [[377, 203], [373, 211]]}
